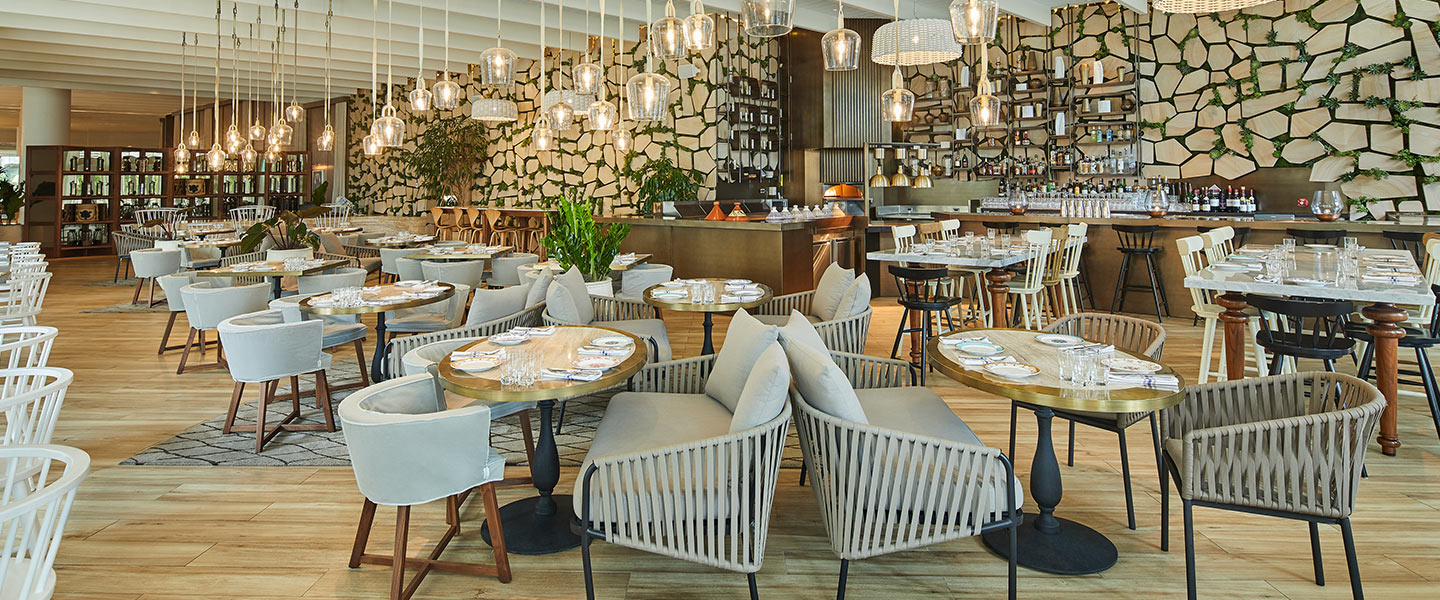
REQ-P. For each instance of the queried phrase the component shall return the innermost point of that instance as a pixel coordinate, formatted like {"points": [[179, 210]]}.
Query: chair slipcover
{"points": [[154, 263], [206, 307], [468, 272], [337, 278], [505, 270], [263, 347]]}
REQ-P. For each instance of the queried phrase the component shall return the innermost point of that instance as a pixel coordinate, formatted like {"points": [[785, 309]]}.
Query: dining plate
{"points": [[1059, 340], [508, 339], [980, 348], [668, 295], [1011, 370], [1225, 266], [596, 363], [1130, 365], [1308, 282], [476, 364], [672, 284], [612, 341]]}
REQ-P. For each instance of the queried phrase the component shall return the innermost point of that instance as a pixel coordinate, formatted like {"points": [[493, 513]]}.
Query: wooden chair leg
{"points": [[360, 357], [362, 533], [234, 406], [397, 564], [139, 283], [322, 398], [165, 339], [184, 356], [202, 342], [260, 409], [528, 434], [497, 533]]}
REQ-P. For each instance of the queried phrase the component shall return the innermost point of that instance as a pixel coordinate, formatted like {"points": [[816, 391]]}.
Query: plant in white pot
{"points": [[576, 240]]}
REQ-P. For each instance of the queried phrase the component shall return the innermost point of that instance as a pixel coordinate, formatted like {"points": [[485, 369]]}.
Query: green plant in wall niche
{"points": [[1307, 17], [445, 156], [1413, 63], [1248, 137], [661, 181], [1360, 204], [1401, 20], [1414, 160], [1429, 179], [1270, 37], [1154, 125]]}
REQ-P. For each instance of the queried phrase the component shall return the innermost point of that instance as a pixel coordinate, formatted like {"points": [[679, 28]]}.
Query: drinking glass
{"points": [[1083, 371], [1067, 363], [1005, 240], [1288, 244], [710, 293], [1352, 243], [697, 293], [990, 235], [1274, 268]]}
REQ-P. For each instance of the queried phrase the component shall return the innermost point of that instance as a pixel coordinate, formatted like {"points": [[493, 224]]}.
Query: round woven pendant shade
{"points": [[492, 110], [1203, 6], [914, 42]]}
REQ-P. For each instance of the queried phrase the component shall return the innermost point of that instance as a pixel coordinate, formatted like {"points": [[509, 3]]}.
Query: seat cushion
{"points": [[781, 320], [650, 329], [800, 329], [822, 384], [763, 396], [639, 421], [831, 288], [371, 264], [573, 282], [745, 339], [855, 300], [338, 332], [489, 305]]}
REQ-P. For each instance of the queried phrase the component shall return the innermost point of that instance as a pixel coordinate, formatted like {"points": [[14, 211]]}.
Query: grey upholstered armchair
{"points": [[567, 302], [838, 307], [1288, 446]]}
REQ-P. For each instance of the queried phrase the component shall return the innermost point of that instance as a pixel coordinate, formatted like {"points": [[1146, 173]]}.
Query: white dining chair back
{"points": [[949, 229], [276, 254], [206, 307], [409, 269], [393, 426], [262, 346], [26, 346], [1037, 254], [388, 258], [40, 484], [154, 262], [1219, 243], [27, 296], [468, 272], [1192, 256], [904, 236], [335, 279], [30, 399], [245, 216], [505, 270]]}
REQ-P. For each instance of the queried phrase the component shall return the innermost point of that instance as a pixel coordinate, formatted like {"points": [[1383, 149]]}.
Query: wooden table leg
{"points": [[1234, 319], [917, 321], [1384, 328], [999, 292]]}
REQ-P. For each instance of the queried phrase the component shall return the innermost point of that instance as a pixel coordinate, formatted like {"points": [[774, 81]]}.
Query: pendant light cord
{"points": [[602, 50], [234, 64], [389, 50], [215, 106], [497, 23], [195, 89], [543, 76], [295, 54], [374, 58], [447, 38], [420, 43], [329, 14], [184, 58]]}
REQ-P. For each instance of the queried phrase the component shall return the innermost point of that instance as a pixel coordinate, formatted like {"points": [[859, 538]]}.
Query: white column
{"points": [[44, 119]]}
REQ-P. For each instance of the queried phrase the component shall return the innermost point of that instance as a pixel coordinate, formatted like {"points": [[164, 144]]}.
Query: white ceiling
{"points": [[134, 46]]}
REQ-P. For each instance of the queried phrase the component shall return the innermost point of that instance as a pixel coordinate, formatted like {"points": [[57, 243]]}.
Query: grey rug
{"points": [[204, 444]]}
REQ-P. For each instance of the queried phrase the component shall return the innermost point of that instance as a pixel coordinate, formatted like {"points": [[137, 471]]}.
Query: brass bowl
{"points": [[1017, 210], [1156, 213], [1328, 217]]}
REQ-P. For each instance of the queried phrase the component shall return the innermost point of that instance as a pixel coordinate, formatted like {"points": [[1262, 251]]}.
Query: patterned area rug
{"points": [[204, 444]]}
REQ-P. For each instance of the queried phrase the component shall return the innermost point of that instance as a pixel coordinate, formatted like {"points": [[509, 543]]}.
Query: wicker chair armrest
{"points": [[872, 372], [782, 305], [1308, 464], [882, 490], [350, 261], [362, 251], [707, 501], [226, 261], [682, 376], [1237, 402], [847, 334], [615, 309]]}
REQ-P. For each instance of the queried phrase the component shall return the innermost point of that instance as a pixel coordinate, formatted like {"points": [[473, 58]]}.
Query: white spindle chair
{"points": [[30, 402], [34, 506], [1030, 291], [22, 346], [25, 299]]}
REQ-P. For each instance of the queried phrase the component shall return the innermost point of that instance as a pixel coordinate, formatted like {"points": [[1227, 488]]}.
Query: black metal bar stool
{"points": [[1317, 236], [921, 290], [1240, 233], [1138, 241], [1313, 329], [1409, 241]]}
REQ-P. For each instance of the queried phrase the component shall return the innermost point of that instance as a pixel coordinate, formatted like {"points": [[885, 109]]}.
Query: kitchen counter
{"points": [[788, 257]]}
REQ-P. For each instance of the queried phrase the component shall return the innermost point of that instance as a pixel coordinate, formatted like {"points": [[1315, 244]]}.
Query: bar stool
{"points": [[1295, 328], [1409, 241], [919, 292], [1138, 241], [1317, 236], [474, 225], [1001, 226], [1240, 233]]}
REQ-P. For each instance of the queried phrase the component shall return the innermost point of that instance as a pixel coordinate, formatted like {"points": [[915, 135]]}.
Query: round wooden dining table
{"points": [[541, 524], [378, 301], [1049, 543], [720, 305]]}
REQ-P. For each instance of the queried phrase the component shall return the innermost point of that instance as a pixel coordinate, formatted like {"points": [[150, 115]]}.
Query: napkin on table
{"points": [[598, 351], [956, 340], [1408, 279], [534, 330], [461, 355], [1153, 382], [571, 374], [980, 361]]}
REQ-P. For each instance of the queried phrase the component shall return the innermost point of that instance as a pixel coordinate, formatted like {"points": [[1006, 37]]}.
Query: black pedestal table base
{"points": [[377, 362], [708, 347], [540, 524]]}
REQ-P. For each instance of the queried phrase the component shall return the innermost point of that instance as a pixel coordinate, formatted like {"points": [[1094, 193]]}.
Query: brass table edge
{"points": [[766, 295], [624, 371], [365, 309]]}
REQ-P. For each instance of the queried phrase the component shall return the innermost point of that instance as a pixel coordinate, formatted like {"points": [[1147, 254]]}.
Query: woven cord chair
{"points": [[1289, 446], [844, 334], [1133, 335], [949, 490], [397, 348], [689, 512]]}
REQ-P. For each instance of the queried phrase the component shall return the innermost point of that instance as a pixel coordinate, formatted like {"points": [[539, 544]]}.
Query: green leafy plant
{"points": [[662, 181], [12, 197], [286, 229], [317, 195], [576, 240], [444, 156]]}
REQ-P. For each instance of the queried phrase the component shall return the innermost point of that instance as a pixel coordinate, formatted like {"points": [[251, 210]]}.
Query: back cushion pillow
{"points": [[763, 396], [822, 384], [830, 290], [574, 282], [745, 339]]}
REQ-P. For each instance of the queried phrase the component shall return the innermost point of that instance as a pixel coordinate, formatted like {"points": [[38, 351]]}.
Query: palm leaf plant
{"points": [[12, 197], [576, 240]]}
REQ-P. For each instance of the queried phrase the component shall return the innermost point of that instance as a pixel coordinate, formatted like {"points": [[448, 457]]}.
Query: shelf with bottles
{"points": [[128, 206], [142, 161], [88, 185], [285, 184], [82, 238], [92, 210], [87, 161], [150, 184]]}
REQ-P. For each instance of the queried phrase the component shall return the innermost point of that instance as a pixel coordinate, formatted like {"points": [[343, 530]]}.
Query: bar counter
{"points": [[788, 257], [1101, 259]]}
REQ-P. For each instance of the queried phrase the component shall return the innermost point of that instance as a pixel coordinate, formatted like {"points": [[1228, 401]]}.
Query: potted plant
{"points": [[576, 240], [661, 182], [445, 156], [287, 231], [12, 198]]}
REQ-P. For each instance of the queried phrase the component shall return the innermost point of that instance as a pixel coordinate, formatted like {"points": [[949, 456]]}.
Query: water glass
{"points": [[1067, 363], [1005, 240], [710, 293], [1082, 367], [697, 293], [1352, 243], [1288, 244]]}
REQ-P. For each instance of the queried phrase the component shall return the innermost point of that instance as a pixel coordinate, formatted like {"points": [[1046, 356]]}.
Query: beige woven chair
{"points": [[705, 500], [947, 489], [1288, 446], [1136, 336], [842, 334]]}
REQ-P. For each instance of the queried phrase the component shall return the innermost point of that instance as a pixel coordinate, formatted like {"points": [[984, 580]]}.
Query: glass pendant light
{"points": [[234, 140], [556, 105], [497, 65], [699, 28], [841, 46], [420, 97], [667, 35], [215, 158], [389, 130], [974, 21], [602, 114], [257, 131], [984, 106], [623, 141], [648, 92], [295, 113], [181, 154], [897, 103], [193, 140], [587, 75], [280, 131], [370, 145], [543, 137], [326, 141], [248, 156], [767, 18], [447, 93]]}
